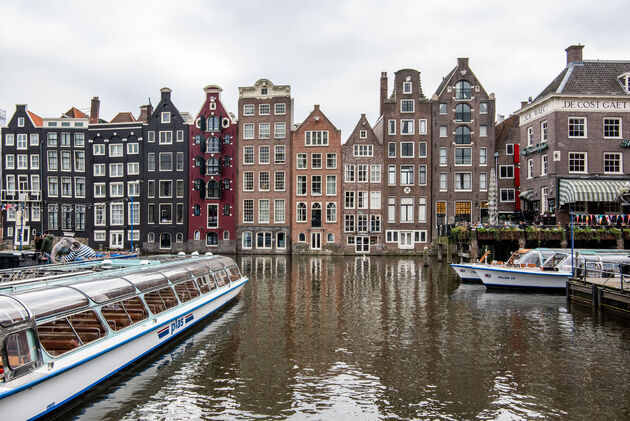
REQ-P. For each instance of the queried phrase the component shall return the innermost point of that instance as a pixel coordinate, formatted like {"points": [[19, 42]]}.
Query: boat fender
{"points": [[194, 253], [208, 253], [106, 264], [181, 254]]}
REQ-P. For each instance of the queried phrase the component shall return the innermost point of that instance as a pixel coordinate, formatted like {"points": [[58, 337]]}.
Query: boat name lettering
{"points": [[177, 324], [506, 277]]}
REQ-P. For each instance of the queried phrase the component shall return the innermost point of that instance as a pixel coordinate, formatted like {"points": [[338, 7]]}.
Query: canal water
{"points": [[378, 338]]}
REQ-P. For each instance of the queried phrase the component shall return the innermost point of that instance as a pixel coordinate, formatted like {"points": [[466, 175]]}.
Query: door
{"points": [[405, 240], [25, 237], [316, 240], [362, 244], [116, 240]]}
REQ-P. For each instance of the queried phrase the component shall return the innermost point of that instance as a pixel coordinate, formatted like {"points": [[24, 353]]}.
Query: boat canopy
{"points": [[147, 280], [11, 311], [52, 300], [177, 274], [199, 268], [103, 290]]}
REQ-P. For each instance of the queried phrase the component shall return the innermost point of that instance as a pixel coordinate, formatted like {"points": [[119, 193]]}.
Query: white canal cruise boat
{"points": [[62, 335]]}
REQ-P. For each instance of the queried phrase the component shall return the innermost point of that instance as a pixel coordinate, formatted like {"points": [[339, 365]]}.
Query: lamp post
{"points": [[131, 223]]}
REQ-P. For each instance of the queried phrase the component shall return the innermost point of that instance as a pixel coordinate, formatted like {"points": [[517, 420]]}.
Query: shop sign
{"points": [[625, 143], [539, 147]]}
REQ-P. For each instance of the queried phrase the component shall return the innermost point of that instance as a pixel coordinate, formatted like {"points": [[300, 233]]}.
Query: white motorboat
{"points": [[467, 271], [61, 337]]}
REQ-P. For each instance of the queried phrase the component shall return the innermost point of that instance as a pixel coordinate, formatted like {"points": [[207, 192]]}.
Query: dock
{"points": [[605, 294]]}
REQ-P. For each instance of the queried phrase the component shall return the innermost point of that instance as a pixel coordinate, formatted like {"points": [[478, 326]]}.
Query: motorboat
{"points": [[62, 335], [467, 271]]}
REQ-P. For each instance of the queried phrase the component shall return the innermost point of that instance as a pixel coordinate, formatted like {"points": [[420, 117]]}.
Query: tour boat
{"points": [[467, 271], [62, 335]]}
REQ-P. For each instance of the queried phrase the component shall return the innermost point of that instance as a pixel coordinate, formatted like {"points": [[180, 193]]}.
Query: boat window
{"points": [[103, 290], [52, 300], [62, 335], [122, 314], [186, 291], [206, 283], [11, 311], [160, 300], [176, 274], [530, 258], [234, 273], [146, 281], [221, 277], [21, 348]]}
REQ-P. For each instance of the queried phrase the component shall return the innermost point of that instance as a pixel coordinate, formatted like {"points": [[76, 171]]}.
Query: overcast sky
{"points": [[59, 54]]}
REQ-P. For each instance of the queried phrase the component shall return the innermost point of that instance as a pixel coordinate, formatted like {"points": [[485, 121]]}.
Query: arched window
{"points": [[331, 212], [316, 215], [301, 212], [226, 235], [165, 240], [462, 135], [247, 240], [462, 112], [212, 239], [462, 90], [214, 123], [330, 237], [302, 237], [212, 167], [179, 237], [212, 146], [214, 192], [151, 237], [196, 235], [226, 184]]}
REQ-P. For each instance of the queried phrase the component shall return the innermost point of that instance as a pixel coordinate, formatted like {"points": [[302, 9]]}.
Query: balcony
{"points": [[14, 196]]}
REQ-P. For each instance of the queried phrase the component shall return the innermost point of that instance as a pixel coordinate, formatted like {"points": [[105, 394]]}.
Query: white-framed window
{"points": [[331, 212], [248, 181], [507, 195], [391, 150], [391, 126], [422, 149], [301, 189], [613, 163], [463, 156], [544, 131], [248, 210], [115, 150], [116, 214], [316, 161], [180, 135], [422, 175], [213, 215], [264, 130], [443, 131], [443, 182], [483, 156], [443, 159], [263, 210], [530, 136], [483, 181], [133, 168], [51, 141], [248, 155], [316, 138], [483, 131], [577, 162], [463, 181], [249, 109], [34, 162], [362, 134], [362, 173], [264, 109], [406, 149], [375, 173], [65, 139], [407, 106], [406, 87], [349, 202], [316, 185], [301, 161], [165, 188], [151, 137], [9, 162], [98, 170], [375, 200], [246, 240], [509, 149], [100, 190], [442, 108], [422, 126], [612, 128], [407, 127], [422, 209], [280, 108], [278, 211], [530, 168], [331, 161], [166, 138], [166, 117], [34, 139], [331, 185], [132, 148], [98, 149], [483, 108], [263, 181], [406, 210], [116, 189], [66, 186], [363, 150], [279, 130], [133, 188], [22, 141], [577, 127], [20, 121], [391, 175], [349, 173], [79, 186], [9, 139], [544, 163], [391, 209], [116, 170], [248, 130], [406, 175], [300, 214], [280, 156], [100, 214], [279, 181], [264, 154], [53, 163], [506, 171], [348, 225]]}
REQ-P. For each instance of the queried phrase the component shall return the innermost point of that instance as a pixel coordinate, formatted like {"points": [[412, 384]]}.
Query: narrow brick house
{"points": [[212, 177], [265, 119], [362, 190], [316, 222]]}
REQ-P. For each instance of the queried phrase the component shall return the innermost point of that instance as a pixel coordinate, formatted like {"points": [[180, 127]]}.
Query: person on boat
{"points": [[68, 250], [47, 245]]}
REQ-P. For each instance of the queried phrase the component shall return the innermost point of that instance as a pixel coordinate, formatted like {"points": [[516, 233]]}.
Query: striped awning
{"points": [[590, 190], [527, 194]]}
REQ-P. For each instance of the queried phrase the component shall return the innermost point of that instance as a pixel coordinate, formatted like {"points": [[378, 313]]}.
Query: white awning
{"points": [[527, 194], [590, 190]]}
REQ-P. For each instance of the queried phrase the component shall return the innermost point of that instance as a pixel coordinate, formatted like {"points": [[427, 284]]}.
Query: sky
{"points": [[60, 54]]}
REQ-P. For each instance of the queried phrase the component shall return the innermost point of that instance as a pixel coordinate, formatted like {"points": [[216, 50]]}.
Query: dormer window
{"points": [[166, 117], [406, 87], [20, 121], [363, 134], [625, 81], [263, 91]]}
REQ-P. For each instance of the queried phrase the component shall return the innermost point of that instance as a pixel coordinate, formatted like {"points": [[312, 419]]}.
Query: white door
{"points": [[116, 240], [25, 231], [362, 244], [405, 240], [316, 240]]}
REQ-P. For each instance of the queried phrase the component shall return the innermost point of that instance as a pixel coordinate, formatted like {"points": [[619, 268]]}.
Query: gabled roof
{"points": [[445, 81], [363, 124], [589, 77], [74, 113], [502, 129], [37, 120], [125, 117]]}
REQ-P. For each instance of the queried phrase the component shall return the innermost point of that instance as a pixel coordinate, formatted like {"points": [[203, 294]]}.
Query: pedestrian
{"points": [[47, 245], [68, 250], [37, 241]]}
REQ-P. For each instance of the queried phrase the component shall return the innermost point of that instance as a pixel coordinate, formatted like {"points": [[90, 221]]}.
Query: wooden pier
{"points": [[606, 294]]}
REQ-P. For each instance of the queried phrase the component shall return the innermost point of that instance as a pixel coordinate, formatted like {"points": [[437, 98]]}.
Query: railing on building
{"points": [[20, 196]]}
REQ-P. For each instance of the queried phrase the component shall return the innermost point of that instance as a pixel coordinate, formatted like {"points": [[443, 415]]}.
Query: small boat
{"points": [[467, 271], [62, 335]]}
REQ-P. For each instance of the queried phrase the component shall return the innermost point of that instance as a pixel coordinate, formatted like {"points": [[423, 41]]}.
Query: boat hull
{"points": [[91, 366], [522, 278], [466, 272]]}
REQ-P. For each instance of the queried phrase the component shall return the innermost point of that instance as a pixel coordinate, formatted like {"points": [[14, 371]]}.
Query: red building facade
{"points": [[212, 180]]}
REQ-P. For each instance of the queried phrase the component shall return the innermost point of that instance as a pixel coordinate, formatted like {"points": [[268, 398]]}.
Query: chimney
{"points": [[524, 104], [574, 53], [96, 104], [383, 91], [145, 113], [166, 94], [462, 62]]}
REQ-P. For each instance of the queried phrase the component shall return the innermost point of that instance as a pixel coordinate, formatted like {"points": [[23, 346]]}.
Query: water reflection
{"points": [[381, 337]]}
